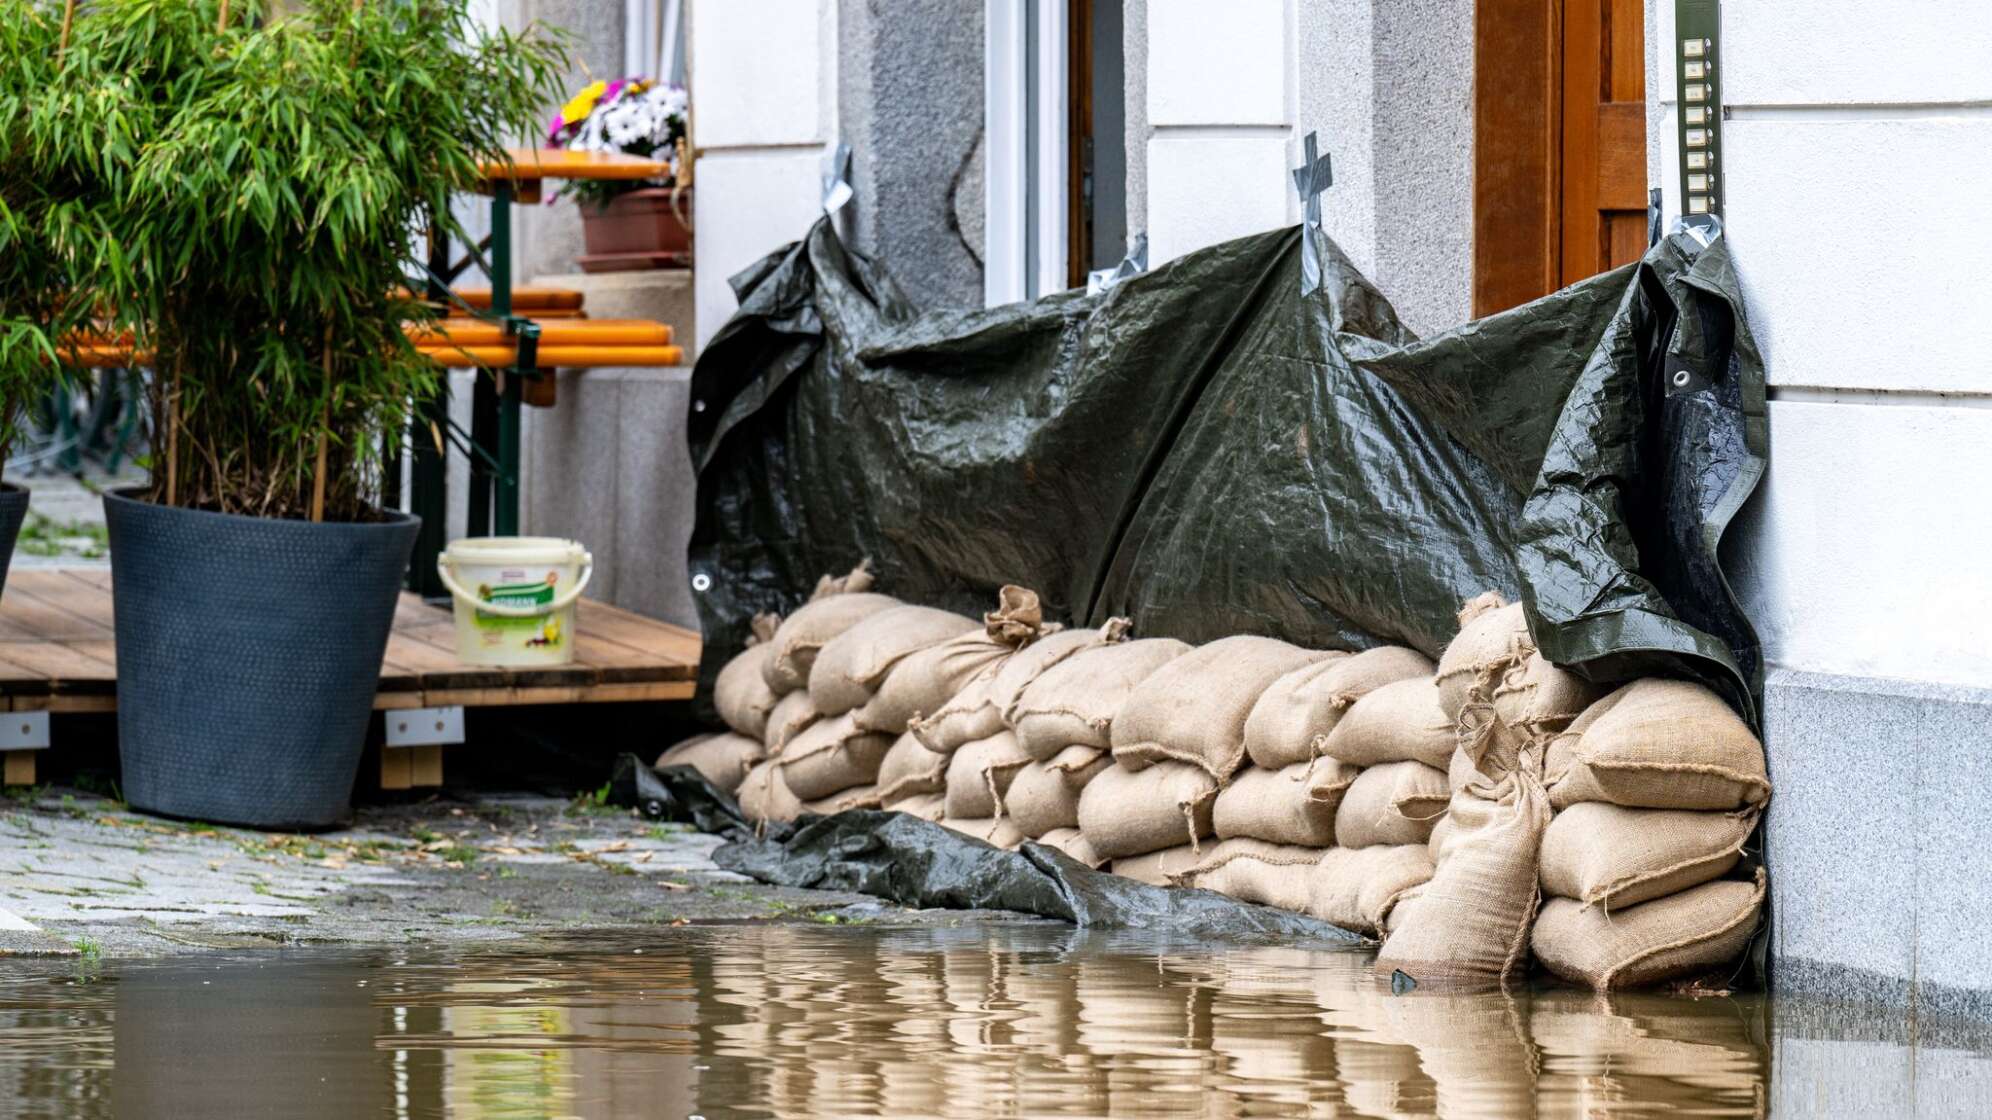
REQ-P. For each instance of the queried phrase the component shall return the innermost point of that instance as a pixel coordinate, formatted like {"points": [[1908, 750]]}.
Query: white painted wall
{"points": [[763, 83], [1858, 164]]}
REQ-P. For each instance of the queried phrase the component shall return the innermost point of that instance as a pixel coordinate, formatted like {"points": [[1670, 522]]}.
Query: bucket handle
{"points": [[561, 600]]}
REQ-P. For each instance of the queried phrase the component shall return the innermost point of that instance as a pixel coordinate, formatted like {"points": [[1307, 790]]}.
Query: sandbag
{"points": [[1469, 926], [925, 680], [1658, 744], [1398, 722], [1461, 770], [1693, 932], [979, 774], [1539, 699], [831, 756], [1157, 869], [850, 666], [926, 806], [1396, 803], [1442, 831], [990, 830], [1194, 708], [1359, 888], [909, 769], [1606, 855], [857, 797], [1293, 806], [764, 797], [803, 634], [1255, 871], [1129, 813], [1045, 795], [1299, 708], [1073, 843], [791, 716], [1493, 635], [723, 759], [741, 692], [1074, 702], [978, 710]]}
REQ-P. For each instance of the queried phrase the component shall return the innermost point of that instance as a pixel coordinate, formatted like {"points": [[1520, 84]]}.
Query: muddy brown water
{"points": [[796, 1020]]}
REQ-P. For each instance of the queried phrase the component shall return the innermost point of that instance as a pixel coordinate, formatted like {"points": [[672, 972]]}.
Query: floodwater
{"points": [[795, 1020]]}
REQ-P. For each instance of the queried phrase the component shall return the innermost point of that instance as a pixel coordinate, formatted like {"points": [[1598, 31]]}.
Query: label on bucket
{"points": [[539, 593]]}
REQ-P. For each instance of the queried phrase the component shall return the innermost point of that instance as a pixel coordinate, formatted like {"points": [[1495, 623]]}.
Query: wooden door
{"points": [[1560, 144]]}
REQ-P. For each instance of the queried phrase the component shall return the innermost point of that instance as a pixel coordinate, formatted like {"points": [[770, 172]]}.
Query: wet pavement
{"points": [[786, 1018]]}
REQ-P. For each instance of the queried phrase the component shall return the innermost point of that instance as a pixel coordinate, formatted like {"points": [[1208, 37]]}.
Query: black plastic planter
{"points": [[13, 511], [248, 654]]}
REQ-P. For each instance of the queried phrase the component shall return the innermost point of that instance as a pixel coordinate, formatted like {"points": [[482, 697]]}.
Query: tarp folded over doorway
{"points": [[1209, 452]]}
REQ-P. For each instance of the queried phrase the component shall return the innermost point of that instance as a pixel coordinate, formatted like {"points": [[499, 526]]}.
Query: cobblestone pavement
{"points": [[80, 873]]}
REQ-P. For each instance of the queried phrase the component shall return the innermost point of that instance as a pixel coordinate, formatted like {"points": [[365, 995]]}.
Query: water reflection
{"points": [[788, 1020]]}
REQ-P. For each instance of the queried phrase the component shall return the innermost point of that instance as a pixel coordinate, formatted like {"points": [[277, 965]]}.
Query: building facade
{"points": [[1483, 155]]}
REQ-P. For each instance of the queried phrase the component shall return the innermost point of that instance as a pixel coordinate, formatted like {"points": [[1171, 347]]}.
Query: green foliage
{"points": [[264, 185]]}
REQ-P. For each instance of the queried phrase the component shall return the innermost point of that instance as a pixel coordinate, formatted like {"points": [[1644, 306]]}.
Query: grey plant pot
{"points": [[13, 511], [249, 650]]}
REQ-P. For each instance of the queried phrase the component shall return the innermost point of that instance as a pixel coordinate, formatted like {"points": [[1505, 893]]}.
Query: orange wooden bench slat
{"points": [[558, 357], [527, 298], [572, 332]]}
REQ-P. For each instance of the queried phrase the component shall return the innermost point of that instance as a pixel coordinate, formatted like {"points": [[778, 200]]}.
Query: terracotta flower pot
{"points": [[637, 230]]}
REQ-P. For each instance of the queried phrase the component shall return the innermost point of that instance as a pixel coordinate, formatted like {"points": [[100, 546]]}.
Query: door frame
{"points": [[1517, 152], [1026, 167]]}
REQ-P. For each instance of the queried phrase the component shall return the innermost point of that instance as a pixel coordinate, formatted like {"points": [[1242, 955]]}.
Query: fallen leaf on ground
{"points": [[671, 886]]}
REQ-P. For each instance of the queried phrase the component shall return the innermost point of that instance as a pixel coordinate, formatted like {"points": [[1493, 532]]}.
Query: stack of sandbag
{"points": [[745, 704], [1063, 723], [786, 660], [972, 729], [1331, 814], [1657, 787]]}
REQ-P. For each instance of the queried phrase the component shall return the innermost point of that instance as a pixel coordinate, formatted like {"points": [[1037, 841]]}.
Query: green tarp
{"points": [[1208, 451]]}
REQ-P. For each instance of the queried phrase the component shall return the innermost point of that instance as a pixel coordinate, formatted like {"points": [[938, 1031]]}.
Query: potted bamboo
{"points": [[630, 225], [264, 169]]}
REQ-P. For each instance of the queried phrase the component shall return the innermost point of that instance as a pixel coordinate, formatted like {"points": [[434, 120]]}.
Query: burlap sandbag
{"points": [[1045, 795], [1697, 931], [925, 680], [1074, 702], [837, 606], [980, 773], [1540, 699], [1469, 926], [741, 692], [1157, 869], [792, 716], [723, 759], [857, 797], [1194, 708], [1398, 722], [1605, 855], [1129, 813], [763, 796], [1460, 770], [1493, 635], [926, 806], [1295, 805], [1305, 704], [989, 830], [1658, 744], [909, 769], [977, 711], [831, 756], [1255, 871], [1442, 832], [1073, 843], [850, 666], [1358, 888], [1396, 803]]}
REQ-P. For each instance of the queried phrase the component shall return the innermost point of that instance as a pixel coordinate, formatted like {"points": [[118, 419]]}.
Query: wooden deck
{"points": [[58, 653]]}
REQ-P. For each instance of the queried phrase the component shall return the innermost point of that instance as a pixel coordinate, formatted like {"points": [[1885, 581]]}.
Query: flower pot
{"points": [[249, 650], [638, 229], [13, 511]]}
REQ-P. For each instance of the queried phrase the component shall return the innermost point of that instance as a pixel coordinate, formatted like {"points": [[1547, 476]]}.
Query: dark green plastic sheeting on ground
{"points": [[1209, 452]]}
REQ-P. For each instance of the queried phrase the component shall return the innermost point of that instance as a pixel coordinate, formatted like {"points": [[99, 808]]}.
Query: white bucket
{"points": [[515, 597]]}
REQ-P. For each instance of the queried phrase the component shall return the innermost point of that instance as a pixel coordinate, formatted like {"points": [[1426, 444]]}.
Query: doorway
{"points": [[1559, 145]]}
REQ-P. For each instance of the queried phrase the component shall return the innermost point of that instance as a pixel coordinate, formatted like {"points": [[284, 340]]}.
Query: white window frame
{"points": [[1024, 158]]}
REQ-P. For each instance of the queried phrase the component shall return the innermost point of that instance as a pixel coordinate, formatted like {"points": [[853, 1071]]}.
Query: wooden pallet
{"points": [[58, 653]]}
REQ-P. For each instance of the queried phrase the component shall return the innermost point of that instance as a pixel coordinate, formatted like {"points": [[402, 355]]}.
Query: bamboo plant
{"points": [[265, 170]]}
